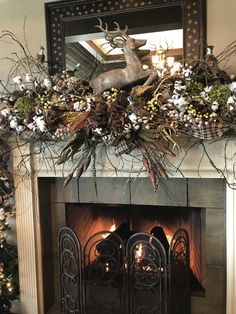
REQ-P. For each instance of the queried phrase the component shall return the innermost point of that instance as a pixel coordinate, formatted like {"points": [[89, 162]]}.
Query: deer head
{"points": [[119, 38]]}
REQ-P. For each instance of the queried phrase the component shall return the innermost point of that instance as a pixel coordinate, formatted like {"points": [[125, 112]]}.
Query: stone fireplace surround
{"points": [[28, 222]]}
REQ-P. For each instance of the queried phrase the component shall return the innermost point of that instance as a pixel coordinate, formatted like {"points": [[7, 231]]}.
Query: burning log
{"points": [[159, 233], [104, 246]]}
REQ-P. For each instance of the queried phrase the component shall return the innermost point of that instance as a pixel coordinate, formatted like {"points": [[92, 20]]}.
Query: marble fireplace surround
{"points": [[28, 218]]}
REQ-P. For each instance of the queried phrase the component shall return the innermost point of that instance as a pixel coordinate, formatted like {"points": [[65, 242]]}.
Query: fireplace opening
{"points": [[131, 258], [86, 219]]}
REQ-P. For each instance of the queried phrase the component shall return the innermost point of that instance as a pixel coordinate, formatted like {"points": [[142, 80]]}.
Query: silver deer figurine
{"points": [[133, 72]]}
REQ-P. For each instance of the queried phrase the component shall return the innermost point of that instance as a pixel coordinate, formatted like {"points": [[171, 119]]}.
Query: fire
{"points": [[112, 229], [139, 252], [169, 238]]}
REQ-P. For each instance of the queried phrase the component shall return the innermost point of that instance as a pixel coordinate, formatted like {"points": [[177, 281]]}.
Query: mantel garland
{"points": [[198, 100]]}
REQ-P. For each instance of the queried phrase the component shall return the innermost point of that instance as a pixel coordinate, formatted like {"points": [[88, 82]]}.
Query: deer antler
{"points": [[111, 35], [124, 31], [104, 30]]}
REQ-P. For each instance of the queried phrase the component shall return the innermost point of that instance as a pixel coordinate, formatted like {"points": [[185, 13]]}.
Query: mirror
{"points": [[73, 41]]}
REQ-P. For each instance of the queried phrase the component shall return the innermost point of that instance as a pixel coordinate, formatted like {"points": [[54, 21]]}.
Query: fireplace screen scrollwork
{"points": [[147, 268], [109, 276], [70, 272], [103, 256]]}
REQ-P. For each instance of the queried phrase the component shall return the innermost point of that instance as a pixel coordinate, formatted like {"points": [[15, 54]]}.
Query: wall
{"points": [[220, 26], [12, 15]]}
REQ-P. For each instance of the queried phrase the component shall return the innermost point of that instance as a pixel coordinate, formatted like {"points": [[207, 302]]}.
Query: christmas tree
{"points": [[9, 285]]}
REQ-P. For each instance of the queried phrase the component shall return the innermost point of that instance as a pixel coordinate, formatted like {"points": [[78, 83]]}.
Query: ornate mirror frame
{"points": [[60, 15]]}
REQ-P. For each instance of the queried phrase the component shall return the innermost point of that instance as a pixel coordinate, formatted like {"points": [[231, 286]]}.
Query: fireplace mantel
{"points": [[194, 165]]}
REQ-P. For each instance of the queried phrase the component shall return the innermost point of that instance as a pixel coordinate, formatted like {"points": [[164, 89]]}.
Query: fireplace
{"points": [[201, 202], [208, 193]]}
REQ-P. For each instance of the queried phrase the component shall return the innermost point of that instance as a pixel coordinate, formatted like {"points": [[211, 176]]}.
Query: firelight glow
{"points": [[112, 229]]}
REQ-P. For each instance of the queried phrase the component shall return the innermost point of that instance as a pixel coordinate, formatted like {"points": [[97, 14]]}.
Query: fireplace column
{"points": [[28, 235], [231, 248]]}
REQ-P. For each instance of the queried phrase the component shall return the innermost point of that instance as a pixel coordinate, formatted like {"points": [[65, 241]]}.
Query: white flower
{"points": [[98, 131], [178, 86], [56, 88], [133, 118], [232, 87], [6, 112], [137, 127], [47, 83], [180, 101], [207, 89], [40, 123], [187, 73], [13, 124], [76, 105], [215, 106], [231, 103], [20, 128], [29, 78], [231, 100], [90, 102], [22, 87], [17, 79], [2, 215], [31, 126]]}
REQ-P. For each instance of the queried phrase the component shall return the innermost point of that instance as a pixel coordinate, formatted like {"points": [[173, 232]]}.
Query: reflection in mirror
{"points": [[91, 54], [87, 50]]}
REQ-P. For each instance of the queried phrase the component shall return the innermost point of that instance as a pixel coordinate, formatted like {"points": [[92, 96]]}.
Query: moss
{"points": [[194, 88], [220, 93], [24, 106]]}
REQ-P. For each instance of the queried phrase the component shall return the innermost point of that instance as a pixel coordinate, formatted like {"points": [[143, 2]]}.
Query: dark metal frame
{"points": [[153, 283], [179, 273], [70, 272], [63, 16], [146, 277], [103, 265]]}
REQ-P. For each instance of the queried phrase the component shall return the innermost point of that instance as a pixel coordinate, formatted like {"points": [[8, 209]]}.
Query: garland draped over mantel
{"points": [[199, 100]]}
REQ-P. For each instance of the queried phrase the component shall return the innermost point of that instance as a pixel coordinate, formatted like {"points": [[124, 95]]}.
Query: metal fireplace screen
{"points": [[112, 276]]}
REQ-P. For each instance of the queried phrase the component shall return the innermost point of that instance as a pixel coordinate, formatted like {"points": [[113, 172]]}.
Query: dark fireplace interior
{"points": [[87, 219]]}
